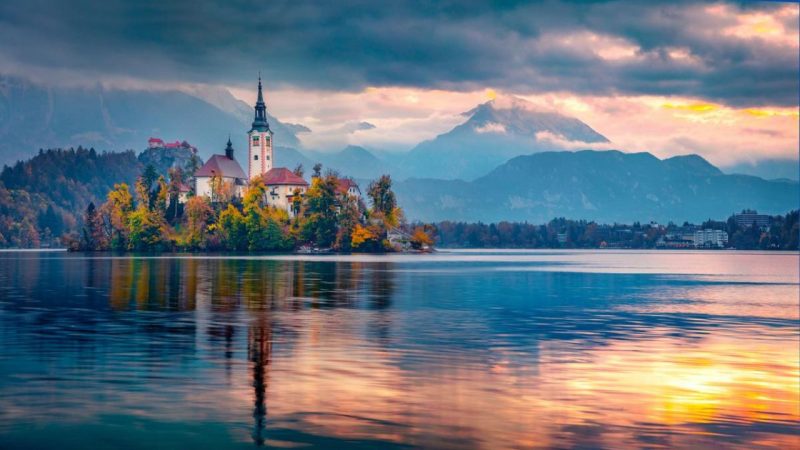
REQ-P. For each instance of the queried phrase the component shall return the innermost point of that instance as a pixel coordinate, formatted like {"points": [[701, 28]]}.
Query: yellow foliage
{"points": [[360, 235]]}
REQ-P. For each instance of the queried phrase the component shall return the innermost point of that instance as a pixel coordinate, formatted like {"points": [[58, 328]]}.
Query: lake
{"points": [[458, 349]]}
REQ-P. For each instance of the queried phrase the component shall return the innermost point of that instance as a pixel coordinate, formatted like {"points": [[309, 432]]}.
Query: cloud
{"points": [[727, 53], [491, 127], [561, 142], [352, 127]]}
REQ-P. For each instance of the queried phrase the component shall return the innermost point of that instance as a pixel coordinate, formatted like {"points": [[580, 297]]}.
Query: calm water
{"points": [[488, 350]]}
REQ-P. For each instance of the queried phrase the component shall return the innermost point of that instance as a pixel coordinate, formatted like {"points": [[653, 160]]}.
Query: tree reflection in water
{"points": [[363, 352]]}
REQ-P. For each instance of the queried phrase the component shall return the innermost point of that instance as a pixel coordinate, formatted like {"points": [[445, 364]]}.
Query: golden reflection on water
{"points": [[318, 359]]}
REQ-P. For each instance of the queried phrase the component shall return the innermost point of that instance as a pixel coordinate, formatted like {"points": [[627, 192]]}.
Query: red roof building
{"points": [[347, 186], [281, 176]]}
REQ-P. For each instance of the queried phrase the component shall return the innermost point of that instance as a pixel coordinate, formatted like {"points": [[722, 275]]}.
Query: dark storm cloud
{"points": [[523, 47]]}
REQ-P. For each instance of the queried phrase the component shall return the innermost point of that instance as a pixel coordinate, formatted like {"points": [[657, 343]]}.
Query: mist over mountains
{"points": [[494, 132], [498, 164], [34, 117]]}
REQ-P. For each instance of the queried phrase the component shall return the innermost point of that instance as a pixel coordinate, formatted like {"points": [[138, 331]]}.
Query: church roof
{"points": [[283, 176], [223, 166]]}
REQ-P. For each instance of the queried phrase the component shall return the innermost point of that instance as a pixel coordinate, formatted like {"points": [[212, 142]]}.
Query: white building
{"points": [[348, 187], [282, 186], [230, 173], [710, 238]]}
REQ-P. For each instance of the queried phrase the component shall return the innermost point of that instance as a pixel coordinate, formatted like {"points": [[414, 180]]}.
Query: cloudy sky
{"points": [[719, 79]]}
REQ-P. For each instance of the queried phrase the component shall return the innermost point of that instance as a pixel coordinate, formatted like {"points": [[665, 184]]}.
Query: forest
{"points": [[781, 234]]}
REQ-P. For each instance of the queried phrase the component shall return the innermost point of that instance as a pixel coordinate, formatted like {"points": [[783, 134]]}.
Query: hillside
{"points": [[46, 195], [605, 186]]}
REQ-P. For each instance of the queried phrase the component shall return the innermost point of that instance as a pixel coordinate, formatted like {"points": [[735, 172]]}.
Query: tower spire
{"points": [[260, 120], [229, 148]]}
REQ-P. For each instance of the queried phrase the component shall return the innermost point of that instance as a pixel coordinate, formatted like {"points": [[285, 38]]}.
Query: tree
{"points": [[221, 191], [380, 192], [92, 236], [145, 230], [320, 213], [198, 214], [298, 170], [363, 238], [317, 170], [384, 202], [420, 239], [115, 211], [176, 179], [232, 229]]}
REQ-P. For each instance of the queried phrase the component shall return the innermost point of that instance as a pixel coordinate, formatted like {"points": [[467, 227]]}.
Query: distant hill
{"points": [[351, 161], [605, 186], [34, 117], [770, 169], [494, 132]]}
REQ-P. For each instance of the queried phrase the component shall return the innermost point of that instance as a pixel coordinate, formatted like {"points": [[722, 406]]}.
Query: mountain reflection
{"points": [[356, 353]]}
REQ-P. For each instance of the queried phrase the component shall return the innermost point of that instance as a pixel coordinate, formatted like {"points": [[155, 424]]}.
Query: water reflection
{"points": [[491, 351]]}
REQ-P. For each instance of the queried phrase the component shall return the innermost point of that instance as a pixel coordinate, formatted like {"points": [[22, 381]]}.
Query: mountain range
{"points": [[606, 186], [496, 165]]}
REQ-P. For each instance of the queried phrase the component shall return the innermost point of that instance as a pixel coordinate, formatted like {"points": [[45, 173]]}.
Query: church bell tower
{"points": [[259, 140]]}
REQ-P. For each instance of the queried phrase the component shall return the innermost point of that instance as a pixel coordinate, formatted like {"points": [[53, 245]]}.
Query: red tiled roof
{"points": [[283, 176], [222, 166], [345, 184], [154, 140], [183, 187]]}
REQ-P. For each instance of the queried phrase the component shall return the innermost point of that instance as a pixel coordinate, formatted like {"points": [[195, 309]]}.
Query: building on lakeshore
{"points": [[676, 240], [749, 218], [221, 176], [282, 187], [710, 238]]}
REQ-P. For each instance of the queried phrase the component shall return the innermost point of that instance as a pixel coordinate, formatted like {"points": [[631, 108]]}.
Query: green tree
{"points": [[145, 230], [232, 229], [320, 214]]}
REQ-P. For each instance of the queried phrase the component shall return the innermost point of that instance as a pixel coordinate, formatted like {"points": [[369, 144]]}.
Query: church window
{"points": [[255, 157], [267, 157]]}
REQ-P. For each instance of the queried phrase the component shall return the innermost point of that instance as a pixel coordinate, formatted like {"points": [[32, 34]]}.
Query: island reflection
{"points": [[383, 354]]}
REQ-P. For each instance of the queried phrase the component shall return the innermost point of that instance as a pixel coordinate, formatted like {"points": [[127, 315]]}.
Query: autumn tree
{"points": [[421, 238], [92, 235], [198, 214], [115, 213], [320, 214]]}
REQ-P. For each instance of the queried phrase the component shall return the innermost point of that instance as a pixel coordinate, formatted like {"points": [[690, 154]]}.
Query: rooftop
{"points": [[223, 166], [283, 176]]}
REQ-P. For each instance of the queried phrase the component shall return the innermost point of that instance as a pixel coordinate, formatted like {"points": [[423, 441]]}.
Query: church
{"points": [[282, 184]]}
